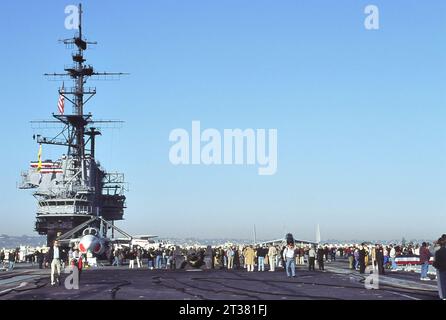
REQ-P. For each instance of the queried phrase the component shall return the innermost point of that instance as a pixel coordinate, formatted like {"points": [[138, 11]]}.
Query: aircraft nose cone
{"points": [[86, 243]]}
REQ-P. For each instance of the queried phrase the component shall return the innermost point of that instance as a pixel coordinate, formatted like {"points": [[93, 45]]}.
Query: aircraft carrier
{"points": [[76, 189], [73, 189]]}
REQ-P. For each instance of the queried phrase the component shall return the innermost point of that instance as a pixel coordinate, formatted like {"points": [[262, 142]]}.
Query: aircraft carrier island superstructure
{"points": [[74, 188]]}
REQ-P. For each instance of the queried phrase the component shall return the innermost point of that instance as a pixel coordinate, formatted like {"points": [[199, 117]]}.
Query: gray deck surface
{"points": [[105, 283]]}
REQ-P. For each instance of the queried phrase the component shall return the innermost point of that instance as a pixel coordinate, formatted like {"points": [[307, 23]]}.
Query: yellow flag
{"points": [[39, 158]]}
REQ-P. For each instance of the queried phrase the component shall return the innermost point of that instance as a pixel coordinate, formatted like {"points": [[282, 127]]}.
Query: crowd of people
{"points": [[261, 258], [249, 257], [8, 259]]}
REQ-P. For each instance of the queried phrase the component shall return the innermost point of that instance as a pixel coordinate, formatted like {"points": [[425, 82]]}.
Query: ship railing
{"points": [[69, 209], [56, 141], [86, 209], [73, 90]]}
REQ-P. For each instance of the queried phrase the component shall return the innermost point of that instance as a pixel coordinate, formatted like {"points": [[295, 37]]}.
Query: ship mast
{"points": [[79, 72], [79, 93], [75, 189]]}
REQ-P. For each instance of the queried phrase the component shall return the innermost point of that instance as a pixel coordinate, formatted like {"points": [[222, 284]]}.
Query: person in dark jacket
{"points": [[326, 252], [380, 259], [12, 257], [261, 254], [151, 258], [236, 258], [440, 265], [282, 259], [40, 256], [320, 258], [131, 257], [361, 259]]}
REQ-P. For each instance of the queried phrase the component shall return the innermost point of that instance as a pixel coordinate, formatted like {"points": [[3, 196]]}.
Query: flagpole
{"points": [[39, 158]]}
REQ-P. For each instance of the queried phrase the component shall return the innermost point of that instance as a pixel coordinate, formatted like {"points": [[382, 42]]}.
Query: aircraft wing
{"points": [[284, 240], [145, 236], [68, 242]]}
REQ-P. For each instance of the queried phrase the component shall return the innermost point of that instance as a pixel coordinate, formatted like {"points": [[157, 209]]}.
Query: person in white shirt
{"points": [[392, 258], [311, 258], [289, 256], [55, 263]]}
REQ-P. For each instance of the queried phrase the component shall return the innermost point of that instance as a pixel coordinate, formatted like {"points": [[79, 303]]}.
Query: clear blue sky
{"points": [[360, 114]]}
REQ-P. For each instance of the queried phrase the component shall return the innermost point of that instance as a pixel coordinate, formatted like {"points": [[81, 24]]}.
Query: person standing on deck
{"points": [[272, 253], [289, 255], [425, 256], [440, 265], [311, 258]]}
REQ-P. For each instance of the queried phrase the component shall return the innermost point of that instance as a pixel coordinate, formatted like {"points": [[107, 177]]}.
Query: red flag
{"points": [[61, 103]]}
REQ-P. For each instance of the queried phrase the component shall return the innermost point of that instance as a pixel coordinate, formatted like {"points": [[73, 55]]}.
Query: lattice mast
{"points": [[74, 188], [79, 72]]}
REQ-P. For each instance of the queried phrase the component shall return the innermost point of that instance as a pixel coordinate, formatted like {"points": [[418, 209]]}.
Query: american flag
{"points": [[61, 103]]}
